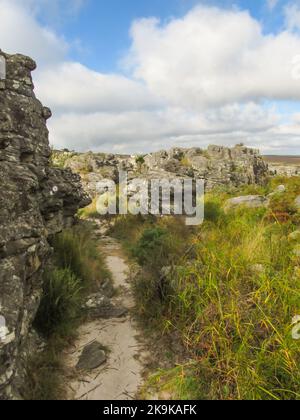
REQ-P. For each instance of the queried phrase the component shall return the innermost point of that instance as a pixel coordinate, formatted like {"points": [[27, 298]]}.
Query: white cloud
{"points": [[197, 80], [138, 131], [272, 4], [212, 57], [69, 87], [292, 16], [21, 33]]}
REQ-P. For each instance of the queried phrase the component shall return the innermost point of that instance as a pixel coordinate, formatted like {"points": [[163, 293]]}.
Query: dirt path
{"points": [[121, 376]]}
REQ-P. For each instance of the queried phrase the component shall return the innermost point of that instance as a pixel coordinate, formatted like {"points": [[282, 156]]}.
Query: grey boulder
{"points": [[92, 357]]}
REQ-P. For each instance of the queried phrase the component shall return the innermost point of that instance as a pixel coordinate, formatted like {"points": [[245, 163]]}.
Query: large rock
{"points": [[249, 201], [36, 200], [217, 165]]}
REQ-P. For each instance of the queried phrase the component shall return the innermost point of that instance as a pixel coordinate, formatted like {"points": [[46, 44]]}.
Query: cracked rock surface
{"points": [[36, 202]]}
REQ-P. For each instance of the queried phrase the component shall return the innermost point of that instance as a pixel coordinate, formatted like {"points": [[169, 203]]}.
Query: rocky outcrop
{"points": [[284, 170], [36, 201], [217, 165]]}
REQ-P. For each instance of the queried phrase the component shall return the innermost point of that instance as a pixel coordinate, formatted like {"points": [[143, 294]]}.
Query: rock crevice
{"points": [[36, 201]]}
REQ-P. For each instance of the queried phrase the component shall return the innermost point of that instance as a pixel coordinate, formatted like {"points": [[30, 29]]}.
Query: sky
{"points": [[133, 76]]}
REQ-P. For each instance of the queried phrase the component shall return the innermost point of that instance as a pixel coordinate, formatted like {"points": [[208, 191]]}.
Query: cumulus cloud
{"points": [[72, 87], [204, 78], [20, 32], [212, 57], [143, 131], [292, 16]]}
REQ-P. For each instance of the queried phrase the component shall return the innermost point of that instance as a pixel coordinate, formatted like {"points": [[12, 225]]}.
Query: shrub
{"points": [[158, 247], [151, 250], [185, 161], [213, 211], [140, 160]]}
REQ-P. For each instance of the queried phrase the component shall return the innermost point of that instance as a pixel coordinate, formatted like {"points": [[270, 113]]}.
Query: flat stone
{"points": [[249, 201], [280, 189], [92, 357]]}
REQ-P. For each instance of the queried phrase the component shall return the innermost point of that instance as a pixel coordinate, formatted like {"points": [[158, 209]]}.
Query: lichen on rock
{"points": [[217, 166], [36, 201]]}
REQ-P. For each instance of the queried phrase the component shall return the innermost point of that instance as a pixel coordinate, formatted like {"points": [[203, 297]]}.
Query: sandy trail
{"points": [[121, 377]]}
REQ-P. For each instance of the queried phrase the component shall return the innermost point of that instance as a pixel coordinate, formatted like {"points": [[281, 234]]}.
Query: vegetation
{"points": [[140, 160], [45, 372], [185, 161], [59, 158], [61, 302], [230, 299], [78, 267], [77, 250], [90, 212]]}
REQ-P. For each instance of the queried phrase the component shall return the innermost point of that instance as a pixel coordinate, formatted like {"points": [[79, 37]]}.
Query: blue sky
{"points": [[135, 76], [102, 27]]}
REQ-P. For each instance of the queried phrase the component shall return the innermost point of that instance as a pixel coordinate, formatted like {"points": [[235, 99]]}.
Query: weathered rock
{"points": [[217, 165], [100, 306], [36, 200], [92, 357], [249, 201], [283, 165], [280, 189]]}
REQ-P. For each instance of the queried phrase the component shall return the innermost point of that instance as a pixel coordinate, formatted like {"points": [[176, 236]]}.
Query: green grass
{"points": [[89, 212], [45, 371], [233, 320], [78, 268], [77, 250], [60, 306]]}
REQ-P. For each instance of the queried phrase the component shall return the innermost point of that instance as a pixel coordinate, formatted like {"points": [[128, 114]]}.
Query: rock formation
{"points": [[217, 165], [36, 201], [283, 165]]}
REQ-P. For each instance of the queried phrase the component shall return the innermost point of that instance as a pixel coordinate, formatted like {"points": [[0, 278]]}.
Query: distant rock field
{"points": [[217, 165]]}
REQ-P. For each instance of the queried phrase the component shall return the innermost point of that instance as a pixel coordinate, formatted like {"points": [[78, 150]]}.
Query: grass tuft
{"points": [[78, 268]]}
